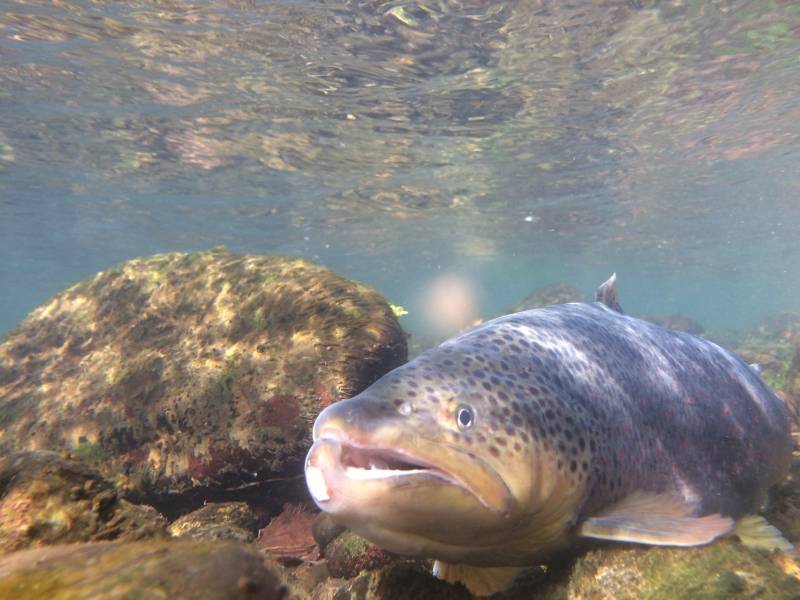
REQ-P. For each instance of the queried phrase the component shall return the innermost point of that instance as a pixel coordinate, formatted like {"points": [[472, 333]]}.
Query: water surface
{"points": [[518, 143]]}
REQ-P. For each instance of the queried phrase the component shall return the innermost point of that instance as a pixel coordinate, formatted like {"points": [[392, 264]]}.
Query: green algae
{"points": [[153, 569], [353, 543], [197, 343], [725, 569], [91, 453]]}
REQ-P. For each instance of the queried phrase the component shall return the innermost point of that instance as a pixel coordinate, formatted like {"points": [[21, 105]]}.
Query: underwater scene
{"points": [[396, 299]]}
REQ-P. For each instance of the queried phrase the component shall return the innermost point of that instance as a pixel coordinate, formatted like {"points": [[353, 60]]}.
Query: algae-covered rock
{"points": [[48, 499], [217, 521], [395, 582], [150, 569], [783, 508], [185, 371], [722, 570], [774, 345], [349, 554], [555, 293], [677, 322]]}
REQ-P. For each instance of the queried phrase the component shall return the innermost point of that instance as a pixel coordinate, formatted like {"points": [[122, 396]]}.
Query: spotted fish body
{"points": [[505, 444], [626, 405]]}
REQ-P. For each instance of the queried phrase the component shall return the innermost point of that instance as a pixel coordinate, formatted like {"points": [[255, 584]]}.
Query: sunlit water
{"points": [[519, 143]]}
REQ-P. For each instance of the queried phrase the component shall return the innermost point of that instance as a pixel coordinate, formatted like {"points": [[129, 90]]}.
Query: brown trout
{"points": [[508, 443]]}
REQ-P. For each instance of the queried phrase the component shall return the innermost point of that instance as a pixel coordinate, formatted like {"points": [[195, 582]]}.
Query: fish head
{"points": [[435, 459]]}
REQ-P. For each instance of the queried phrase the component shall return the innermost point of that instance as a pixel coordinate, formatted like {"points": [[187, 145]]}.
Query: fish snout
{"points": [[354, 417]]}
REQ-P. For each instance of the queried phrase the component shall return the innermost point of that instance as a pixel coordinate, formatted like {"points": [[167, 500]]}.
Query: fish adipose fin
{"points": [[607, 294], [481, 581], [656, 519], [755, 532]]}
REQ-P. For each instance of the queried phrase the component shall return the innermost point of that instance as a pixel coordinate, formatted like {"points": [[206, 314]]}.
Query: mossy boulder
{"points": [[395, 582], [555, 293], [217, 521], [349, 554], [677, 322], [723, 570], [180, 372], [49, 499], [151, 569], [774, 344]]}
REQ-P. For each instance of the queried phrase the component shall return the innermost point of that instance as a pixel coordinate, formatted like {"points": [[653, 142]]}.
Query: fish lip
{"points": [[425, 468]]}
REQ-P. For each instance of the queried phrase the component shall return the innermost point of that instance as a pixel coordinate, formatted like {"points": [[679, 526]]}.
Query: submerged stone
{"points": [[288, 537], [48, 499], [394, 582], [180, 372], [217, 521], [677, 322], [774, 344], [151, 569], [554, 293], [725, 569]]}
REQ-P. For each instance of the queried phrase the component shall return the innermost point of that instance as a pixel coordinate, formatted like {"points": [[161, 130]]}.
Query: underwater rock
{"points": [[180, 372], [288, 538], [555, 293], [350, 554], [783, 507], [774, 345], [150, 569], [217, 521], [724, 569], [677, 322], [395, 582], [131, 522], [48, 499], [325, 529]]}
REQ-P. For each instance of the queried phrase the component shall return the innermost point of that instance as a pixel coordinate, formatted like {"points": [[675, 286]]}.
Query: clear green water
{"points": [[520, 143]]}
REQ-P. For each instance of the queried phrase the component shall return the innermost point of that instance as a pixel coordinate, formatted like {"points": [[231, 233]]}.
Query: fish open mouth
{"points": [[332, 462], [372, 463], [338, 469]]}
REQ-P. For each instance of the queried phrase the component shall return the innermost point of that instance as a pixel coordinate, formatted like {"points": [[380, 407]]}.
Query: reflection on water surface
{"points": [[520, 143]]}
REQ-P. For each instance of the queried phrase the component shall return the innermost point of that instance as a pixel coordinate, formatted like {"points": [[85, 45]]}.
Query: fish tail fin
{"points": [[481, 581], [755, 532]]}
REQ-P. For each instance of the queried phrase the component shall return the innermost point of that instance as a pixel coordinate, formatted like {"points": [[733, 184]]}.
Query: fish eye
{"points": [[465, 417]]}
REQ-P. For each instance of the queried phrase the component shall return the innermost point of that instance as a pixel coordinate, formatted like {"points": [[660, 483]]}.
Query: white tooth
{"points": [[315, 481], [361, 474]]}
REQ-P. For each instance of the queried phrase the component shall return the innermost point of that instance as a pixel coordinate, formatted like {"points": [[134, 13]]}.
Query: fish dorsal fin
{"points": [[755, 532], [481, 581], [607, 294], [656, 519]]}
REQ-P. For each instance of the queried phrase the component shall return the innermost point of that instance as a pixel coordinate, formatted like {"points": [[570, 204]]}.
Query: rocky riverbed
{"points": [[154, 420]]}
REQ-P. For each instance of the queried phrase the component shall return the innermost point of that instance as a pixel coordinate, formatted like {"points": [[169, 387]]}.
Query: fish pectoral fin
{"points": [[481, 581], [755, 532], [656, 519]]}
